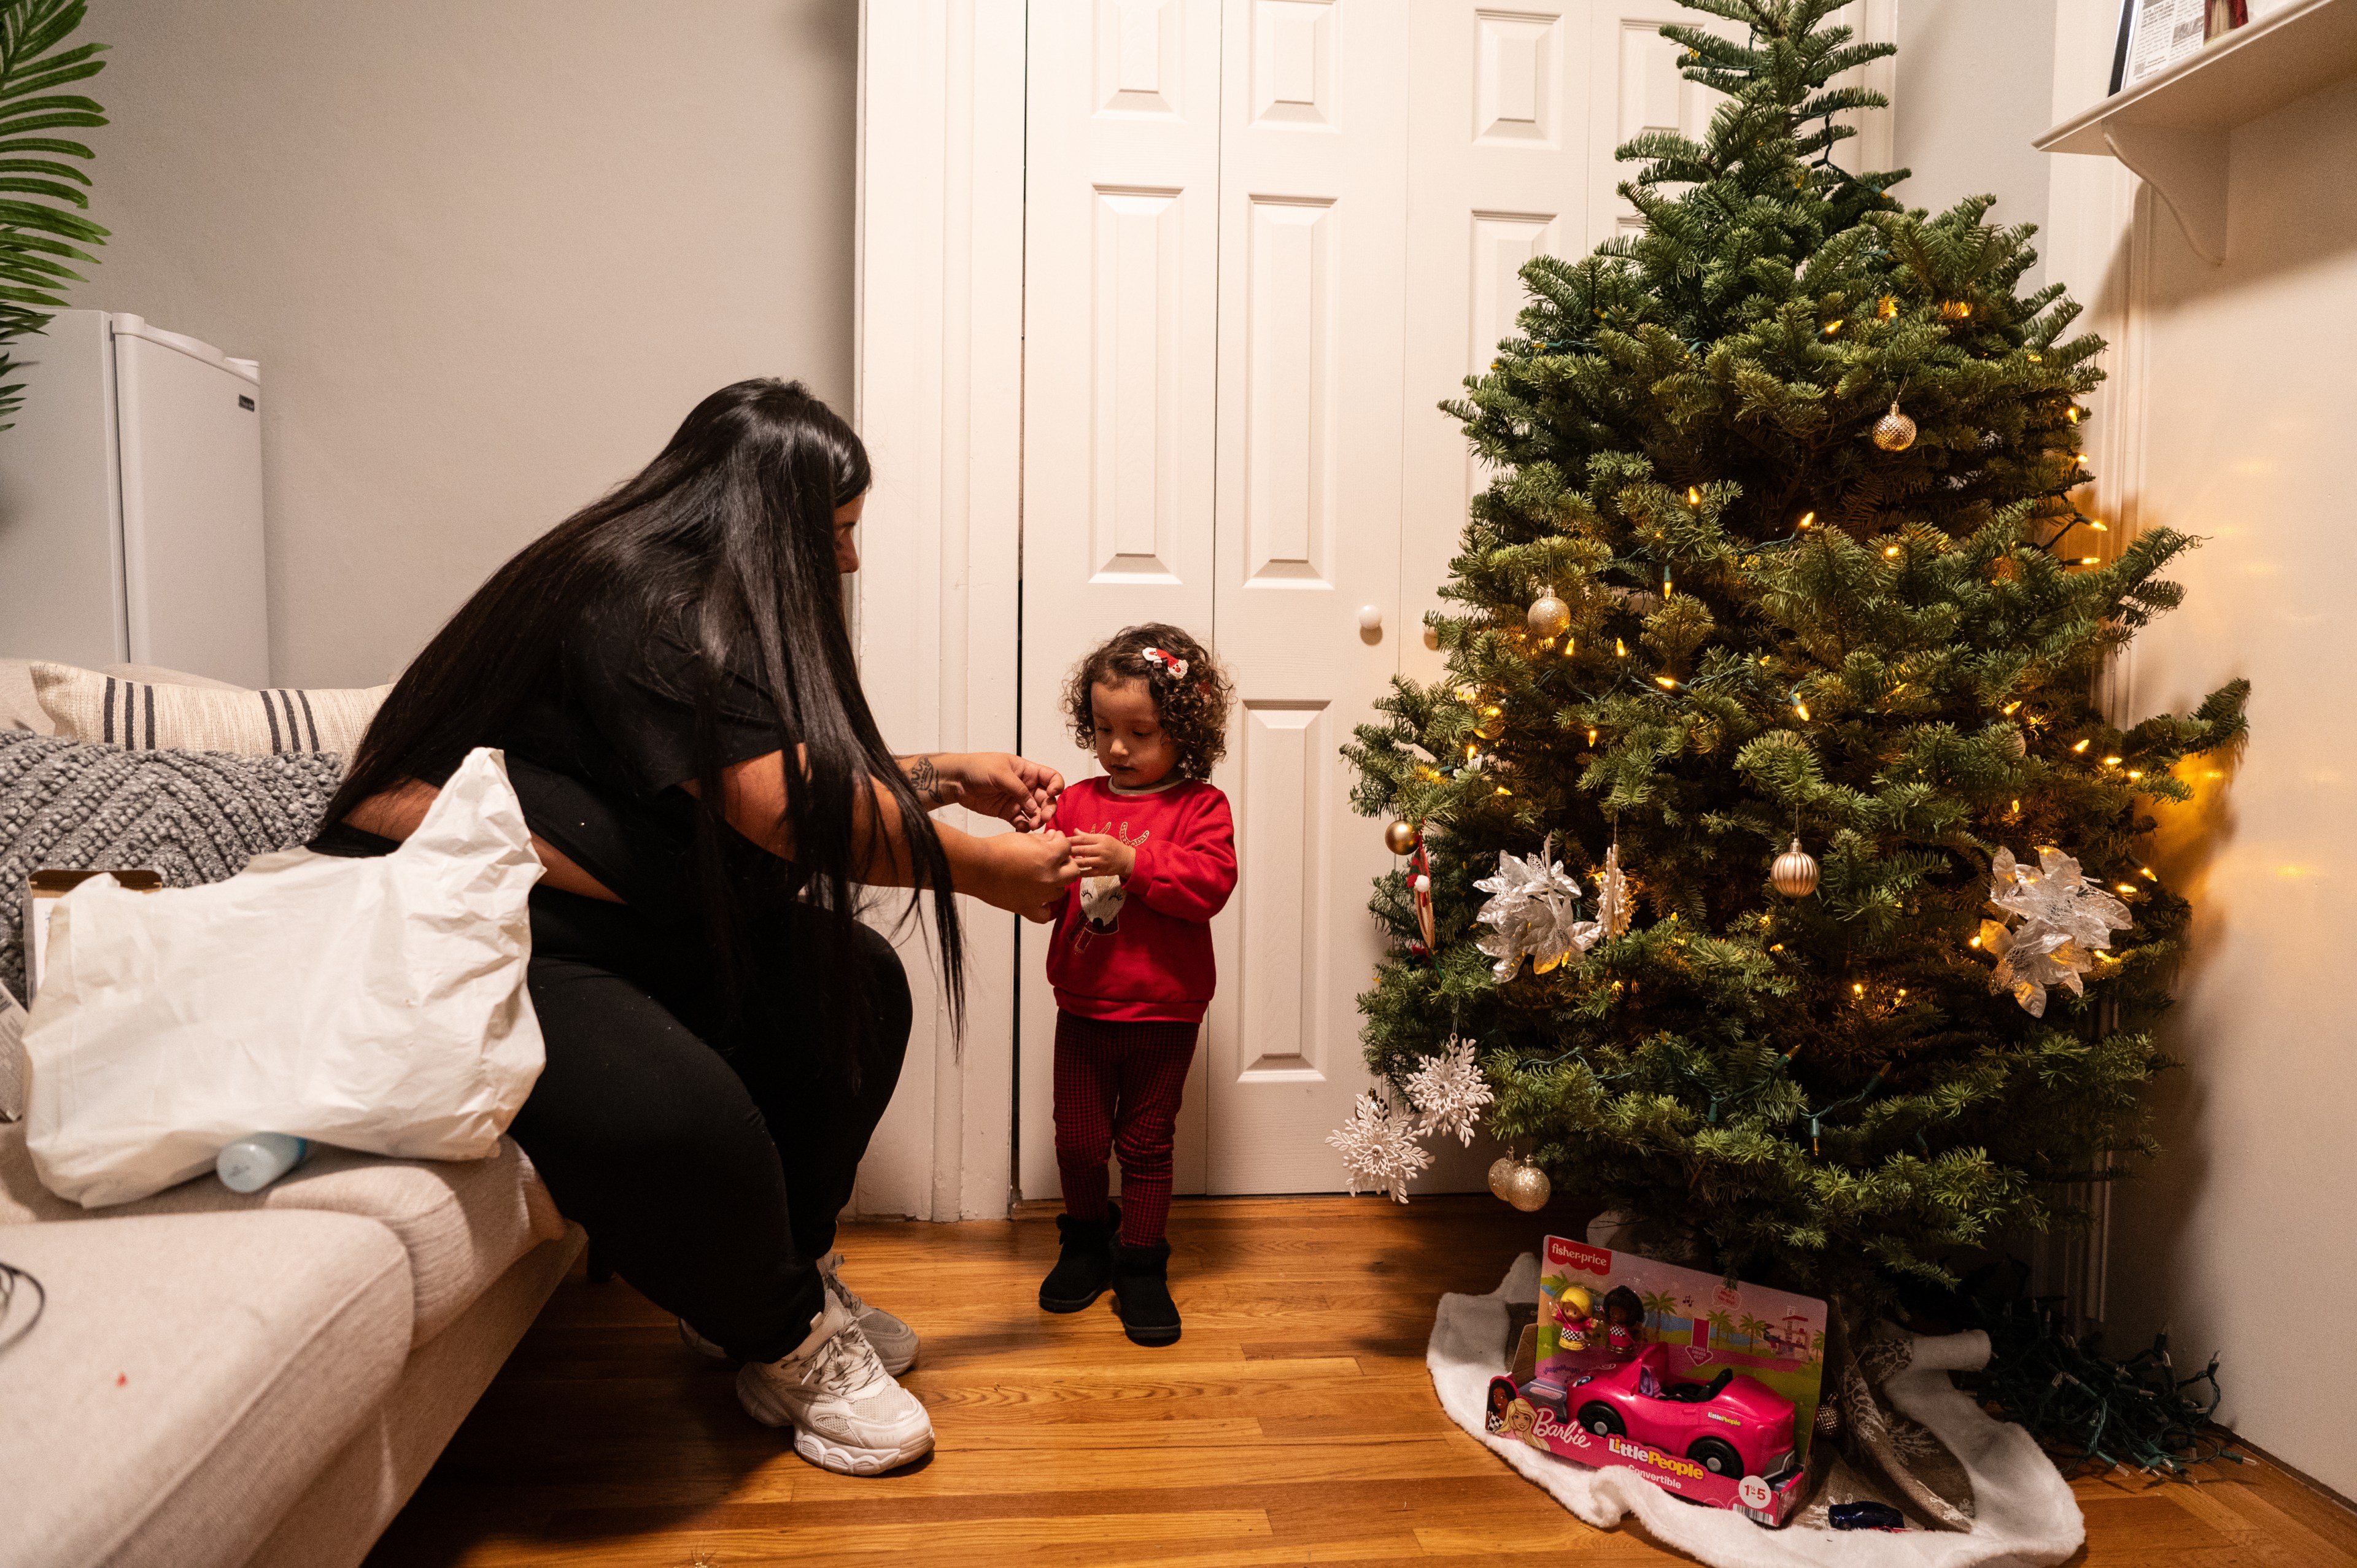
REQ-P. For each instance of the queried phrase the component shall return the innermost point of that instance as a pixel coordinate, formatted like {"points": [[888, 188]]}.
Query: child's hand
{"points": [[1102, 854]]}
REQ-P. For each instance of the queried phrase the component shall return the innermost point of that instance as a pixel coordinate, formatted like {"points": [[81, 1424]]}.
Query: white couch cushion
{"points": [[462, 1222], [189, 1378]]}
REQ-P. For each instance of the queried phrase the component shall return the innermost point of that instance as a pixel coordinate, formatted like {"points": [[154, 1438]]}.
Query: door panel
{"points": [[1121, 284], [1636, 86], [1313, 192], [1498, 172]]}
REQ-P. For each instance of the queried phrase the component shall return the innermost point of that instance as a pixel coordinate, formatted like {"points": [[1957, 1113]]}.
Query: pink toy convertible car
{"points": [[1730, 1426]]}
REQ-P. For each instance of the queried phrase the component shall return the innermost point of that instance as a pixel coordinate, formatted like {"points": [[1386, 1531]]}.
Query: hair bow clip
{"points": [[1178, 667]]}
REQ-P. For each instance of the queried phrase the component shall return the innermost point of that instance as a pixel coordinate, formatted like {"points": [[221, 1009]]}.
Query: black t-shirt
{"points": [[600, 749]]}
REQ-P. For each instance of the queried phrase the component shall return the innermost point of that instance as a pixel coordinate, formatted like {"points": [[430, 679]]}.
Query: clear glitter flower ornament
{"points": [[1379, 1148], [1529, 913], [2065, 918], [1450, 1091]]}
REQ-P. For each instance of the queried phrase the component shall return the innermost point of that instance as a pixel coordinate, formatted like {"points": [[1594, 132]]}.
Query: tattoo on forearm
{"points": [[926, 780]]}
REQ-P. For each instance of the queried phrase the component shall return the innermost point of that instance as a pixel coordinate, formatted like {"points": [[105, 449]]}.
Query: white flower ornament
{"points": [[2064, 918], [1529, 912]]}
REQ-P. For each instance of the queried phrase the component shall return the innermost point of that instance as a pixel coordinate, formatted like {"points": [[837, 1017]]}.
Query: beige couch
{"points": [[220, 1379]]}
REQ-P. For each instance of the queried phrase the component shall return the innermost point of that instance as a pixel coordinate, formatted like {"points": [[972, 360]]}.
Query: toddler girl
{"points": [[1131, 957]]}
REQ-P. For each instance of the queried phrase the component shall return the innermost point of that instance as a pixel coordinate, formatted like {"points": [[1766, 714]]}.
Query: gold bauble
{"points": [[2017, 742], [1501, 1170], [1550, 616], [1527, 1189], [1794, 872], [1399, 838], [1894, 431], [1491, 727]]}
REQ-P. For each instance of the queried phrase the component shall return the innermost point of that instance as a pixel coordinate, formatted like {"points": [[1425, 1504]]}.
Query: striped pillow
{"points": [[143, 716]]}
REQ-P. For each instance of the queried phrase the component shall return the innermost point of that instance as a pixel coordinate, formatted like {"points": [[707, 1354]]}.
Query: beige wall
{"points": [[1972, 86], [488, 254], [2229, 416]]}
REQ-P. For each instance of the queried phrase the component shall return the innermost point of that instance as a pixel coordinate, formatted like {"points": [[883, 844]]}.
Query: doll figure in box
{"points": [[1502, 1399], [1624, 1321], [1570, 1313]]}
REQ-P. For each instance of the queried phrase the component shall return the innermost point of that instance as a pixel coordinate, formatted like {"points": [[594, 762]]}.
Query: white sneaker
{"points": [[895, 1341], [847, 1413]]}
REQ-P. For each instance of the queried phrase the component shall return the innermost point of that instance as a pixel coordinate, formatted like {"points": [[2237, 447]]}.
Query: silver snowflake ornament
{"points": [[1529, 913], [1379, 1148], [1450, 1093], [2065, 919]]}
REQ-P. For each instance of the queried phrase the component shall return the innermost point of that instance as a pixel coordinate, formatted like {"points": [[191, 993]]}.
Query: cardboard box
{"points": [[1706, 1389]]}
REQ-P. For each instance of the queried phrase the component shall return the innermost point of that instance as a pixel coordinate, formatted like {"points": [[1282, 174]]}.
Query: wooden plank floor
{"points": [[1293, 1424]]}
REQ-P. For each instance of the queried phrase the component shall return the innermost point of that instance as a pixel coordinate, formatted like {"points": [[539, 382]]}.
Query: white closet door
{"points": [[1121, 290], [1312, 299], [1263, 239]]}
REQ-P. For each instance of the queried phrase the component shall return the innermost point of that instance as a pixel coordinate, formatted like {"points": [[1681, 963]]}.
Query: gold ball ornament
{"points": [[1550, 616], [2017, 743], [1399, 838], [1502, 1170], [1491, 727], [1794, 872], [1894, 431], [1527, 1189]]}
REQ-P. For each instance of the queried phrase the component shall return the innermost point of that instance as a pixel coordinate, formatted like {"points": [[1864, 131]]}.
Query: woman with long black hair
{"points": [[669, 674]]}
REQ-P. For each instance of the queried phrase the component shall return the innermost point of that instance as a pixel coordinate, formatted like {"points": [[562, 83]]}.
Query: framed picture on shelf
{"points": [[2156, 33]]}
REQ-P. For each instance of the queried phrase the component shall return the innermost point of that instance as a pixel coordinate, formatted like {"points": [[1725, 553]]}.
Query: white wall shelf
{"points": [[2174, 129]]}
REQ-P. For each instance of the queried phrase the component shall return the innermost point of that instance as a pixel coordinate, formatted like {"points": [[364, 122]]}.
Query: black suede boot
{"points": [[1141, 1293], [1083, 1270]]}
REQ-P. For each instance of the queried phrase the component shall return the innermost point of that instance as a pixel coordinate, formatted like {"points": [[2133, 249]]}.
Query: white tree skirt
{"points": [[2024, 1513]]}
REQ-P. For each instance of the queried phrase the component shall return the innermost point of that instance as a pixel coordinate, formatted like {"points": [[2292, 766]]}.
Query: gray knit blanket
{"points": [[194, 816]]}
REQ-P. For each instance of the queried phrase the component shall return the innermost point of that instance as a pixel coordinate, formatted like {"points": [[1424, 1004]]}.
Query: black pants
{"points": [[707, 1154]]}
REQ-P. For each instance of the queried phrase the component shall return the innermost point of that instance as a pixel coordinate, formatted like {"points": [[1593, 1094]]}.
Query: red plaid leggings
{"points": [[1117, 1087]]}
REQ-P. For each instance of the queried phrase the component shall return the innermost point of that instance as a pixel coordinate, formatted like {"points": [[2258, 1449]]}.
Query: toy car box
{"points": [[1708, 1390]]}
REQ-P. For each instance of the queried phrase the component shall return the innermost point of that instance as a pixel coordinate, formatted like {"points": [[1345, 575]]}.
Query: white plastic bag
{"points": [[375, 1004]]}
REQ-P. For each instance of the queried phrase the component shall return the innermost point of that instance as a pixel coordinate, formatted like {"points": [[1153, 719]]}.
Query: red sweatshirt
{"points": [[1142, 949]]}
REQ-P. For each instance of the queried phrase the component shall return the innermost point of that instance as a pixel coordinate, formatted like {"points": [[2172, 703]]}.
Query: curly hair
{"points": [[1192, 708]]}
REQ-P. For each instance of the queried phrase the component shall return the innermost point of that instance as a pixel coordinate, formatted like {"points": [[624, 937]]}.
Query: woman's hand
{"points": [[1026, 872], [991, 783], [1102, 854]]}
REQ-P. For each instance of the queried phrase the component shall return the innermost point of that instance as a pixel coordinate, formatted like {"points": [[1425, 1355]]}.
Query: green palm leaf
{"points": [[41, 199]]}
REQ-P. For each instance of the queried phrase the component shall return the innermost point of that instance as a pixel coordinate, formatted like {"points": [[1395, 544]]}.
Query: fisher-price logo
{"points": [[1654, 1456], [1587, 1260]]}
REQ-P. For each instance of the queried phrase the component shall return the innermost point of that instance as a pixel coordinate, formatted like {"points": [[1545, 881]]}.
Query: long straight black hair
{"points": [[729, 535]]}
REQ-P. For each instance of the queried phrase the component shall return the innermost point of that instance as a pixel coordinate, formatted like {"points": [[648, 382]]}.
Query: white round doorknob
{"points": [[1371, 617]]}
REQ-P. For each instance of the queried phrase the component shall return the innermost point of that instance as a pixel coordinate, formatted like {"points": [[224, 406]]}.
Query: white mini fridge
{"points": [[131, 502]]}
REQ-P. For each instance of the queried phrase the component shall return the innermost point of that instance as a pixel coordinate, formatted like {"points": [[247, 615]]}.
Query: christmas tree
{"points": [[1781, 545]]}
